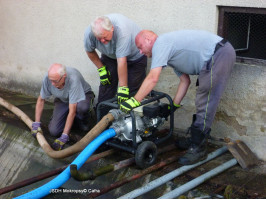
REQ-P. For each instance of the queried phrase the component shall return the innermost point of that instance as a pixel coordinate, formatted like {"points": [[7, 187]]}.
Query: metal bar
{"points": [[91, 175], [134, 177], [111, 105], [159, 141], [107, 103], [31, 180], [135, 145], [123, 163], [130, 161], [248, 36], [128, 148], [50, 173], [119, 146], [160, 96], [243, 10], [100, 155], [157, 182], [197, 181]]}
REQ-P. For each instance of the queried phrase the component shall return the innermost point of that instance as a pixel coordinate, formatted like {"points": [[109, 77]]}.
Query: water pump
{"points": [[135, 131]]}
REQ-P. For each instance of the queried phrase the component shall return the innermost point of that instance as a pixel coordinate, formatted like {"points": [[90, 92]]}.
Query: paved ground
{"points": [[233, 183]]}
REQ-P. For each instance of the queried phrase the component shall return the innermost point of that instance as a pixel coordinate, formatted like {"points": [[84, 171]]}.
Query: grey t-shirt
{"points": [[186, 51], [123, 40], [73, 91]]}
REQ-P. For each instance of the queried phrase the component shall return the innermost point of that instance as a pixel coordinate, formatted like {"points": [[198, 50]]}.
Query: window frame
{"points": [[247, 10]]}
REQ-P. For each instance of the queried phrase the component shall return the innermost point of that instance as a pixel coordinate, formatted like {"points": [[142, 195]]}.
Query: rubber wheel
{"points": [[146, 154]]}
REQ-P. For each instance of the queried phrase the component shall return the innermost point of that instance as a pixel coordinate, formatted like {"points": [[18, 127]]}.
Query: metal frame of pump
{"points": [[154, 96]]}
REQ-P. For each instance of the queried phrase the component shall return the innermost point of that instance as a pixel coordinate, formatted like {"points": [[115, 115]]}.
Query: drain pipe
{"points": [[134, 177], [197, 181], [77, 147], [65, 175], [157, 182]]}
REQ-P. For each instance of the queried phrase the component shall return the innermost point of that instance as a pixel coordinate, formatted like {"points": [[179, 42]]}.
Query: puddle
{"points": [[21, 158]]}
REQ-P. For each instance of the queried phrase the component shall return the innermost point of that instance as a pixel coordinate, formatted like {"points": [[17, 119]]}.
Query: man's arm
{"points": [[93, 56], [146, 87], [149, 83], [182, 88], [122, 71], [39, 109], [70, 118]]}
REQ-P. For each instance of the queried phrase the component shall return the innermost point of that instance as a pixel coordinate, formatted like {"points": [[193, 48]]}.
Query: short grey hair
{"points": [[100, 23], [62, 70]]}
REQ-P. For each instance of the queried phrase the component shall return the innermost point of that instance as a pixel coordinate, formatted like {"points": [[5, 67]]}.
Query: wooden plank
{"points": [[248, 152], [244, 156]]}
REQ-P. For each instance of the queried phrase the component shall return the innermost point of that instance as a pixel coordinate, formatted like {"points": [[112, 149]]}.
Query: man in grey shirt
{"points": [[188, 52], [73, 100], [121, 63]]}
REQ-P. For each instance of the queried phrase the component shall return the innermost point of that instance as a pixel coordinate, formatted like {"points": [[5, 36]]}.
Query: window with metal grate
{"points": [[245, 28]]}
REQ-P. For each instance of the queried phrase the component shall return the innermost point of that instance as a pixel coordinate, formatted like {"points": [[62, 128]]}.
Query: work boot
{"points": [[83, 125], [184, 143], [197, 150], [83, 122]]}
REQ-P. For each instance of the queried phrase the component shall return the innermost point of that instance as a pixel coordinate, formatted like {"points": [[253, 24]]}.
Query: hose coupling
{"points": [[116, 113]]}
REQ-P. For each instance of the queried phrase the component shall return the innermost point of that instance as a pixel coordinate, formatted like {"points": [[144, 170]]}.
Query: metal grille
{"points": [[246, 32]]}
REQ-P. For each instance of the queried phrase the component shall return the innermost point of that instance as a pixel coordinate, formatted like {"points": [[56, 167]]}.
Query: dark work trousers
{"points": [[212, 81], [136, 74], [61, 109]]}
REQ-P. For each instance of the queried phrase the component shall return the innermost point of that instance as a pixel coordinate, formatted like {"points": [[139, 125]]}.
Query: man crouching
{"points": [[73, 101]]}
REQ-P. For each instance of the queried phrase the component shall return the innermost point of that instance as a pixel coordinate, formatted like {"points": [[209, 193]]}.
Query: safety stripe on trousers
{"points": [[206, 110], [91, 104]]}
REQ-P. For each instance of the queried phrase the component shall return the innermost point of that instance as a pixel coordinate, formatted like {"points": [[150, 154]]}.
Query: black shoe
{"points": [[82, 125], [197, 150], [183, 143], [194, 154], [74, 137]]}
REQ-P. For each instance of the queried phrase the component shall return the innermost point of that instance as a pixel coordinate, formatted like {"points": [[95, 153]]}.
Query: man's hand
{"points": [[129, 104], [36, 127], [122, 94], [60, 142], [176, 106], [105, 76]]}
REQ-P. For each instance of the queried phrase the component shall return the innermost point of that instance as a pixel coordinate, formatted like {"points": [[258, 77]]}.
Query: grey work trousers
{"points": [[211, 84], [61, 110], [136, 74]]}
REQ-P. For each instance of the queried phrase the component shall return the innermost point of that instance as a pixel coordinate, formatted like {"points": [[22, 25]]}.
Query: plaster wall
{"points": [[35, 34]]}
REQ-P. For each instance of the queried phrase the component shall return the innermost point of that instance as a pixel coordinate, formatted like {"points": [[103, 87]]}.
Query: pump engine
{"points": [[148, 118]]}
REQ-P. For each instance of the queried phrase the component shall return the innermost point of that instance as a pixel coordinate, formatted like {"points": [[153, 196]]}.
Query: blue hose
{"points": [[65, 175]]}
